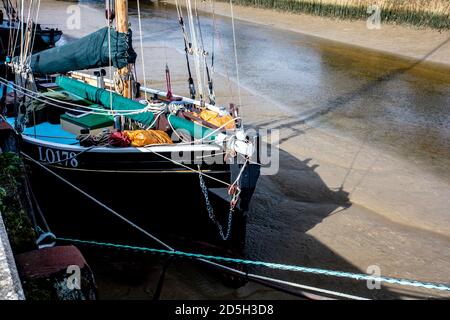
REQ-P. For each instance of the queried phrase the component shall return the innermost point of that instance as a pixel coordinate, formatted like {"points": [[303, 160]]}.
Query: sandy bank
{"points": [[408, 42]]}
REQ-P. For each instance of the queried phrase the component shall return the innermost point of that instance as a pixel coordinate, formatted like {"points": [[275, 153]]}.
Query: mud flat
{"points": [[433, 46], [336, 202]]}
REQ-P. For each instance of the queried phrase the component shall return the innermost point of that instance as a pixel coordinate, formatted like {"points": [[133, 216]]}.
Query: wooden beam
{"points": [[122, 26]]}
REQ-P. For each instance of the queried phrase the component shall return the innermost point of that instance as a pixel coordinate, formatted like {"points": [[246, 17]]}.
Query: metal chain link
{"points": [[211, 213]]}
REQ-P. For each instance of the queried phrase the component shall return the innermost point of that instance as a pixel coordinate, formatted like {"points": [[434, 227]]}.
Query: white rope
{"points": [[180, 16], [106, 112], [21, 32], [35, 28], [187, 167], [235, 53], [195, 49], [124, 113], [155, 120], [150, 107], [161, 242], [206, 72], [240, 173], [98, 202], [27, 36], [223, 58], [213, 43], [212, 132], [108, 24], [15, 41], [201, 47], [142, 46]]}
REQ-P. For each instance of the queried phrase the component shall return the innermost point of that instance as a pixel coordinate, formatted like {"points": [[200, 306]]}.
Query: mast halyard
{"points": [[125, 73]]}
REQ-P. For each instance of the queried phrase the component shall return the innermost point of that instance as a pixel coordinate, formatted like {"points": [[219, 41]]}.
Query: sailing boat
{"points": [[10, 25], [44, 37], [94, 146]]}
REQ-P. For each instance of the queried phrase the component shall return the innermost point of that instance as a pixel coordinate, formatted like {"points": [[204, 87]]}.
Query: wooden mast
{"points": [[122, 26]]}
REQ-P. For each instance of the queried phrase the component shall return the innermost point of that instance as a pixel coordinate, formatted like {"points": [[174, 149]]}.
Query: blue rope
{"points": [[332, 273]]}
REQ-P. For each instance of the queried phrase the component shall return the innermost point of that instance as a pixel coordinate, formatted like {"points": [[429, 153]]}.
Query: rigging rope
{"points": [[35, 29], [187, 49], [235, 53], [254, 277], [207, 78], [108, 24], [195, 50], [142, 45], [149, 107], [223, 59], [101, 204], [157, 107]]}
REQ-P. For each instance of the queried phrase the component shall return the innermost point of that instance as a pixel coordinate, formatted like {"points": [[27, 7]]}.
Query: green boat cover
{"points": [[194, 129], [91, 51], [90, 121], [103, 97]]}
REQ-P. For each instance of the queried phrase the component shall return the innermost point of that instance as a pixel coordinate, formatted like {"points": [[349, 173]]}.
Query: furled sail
{"points": [[91, 51]]}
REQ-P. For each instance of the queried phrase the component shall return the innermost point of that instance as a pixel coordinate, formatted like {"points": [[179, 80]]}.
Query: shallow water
{"points": [[402, 106]]}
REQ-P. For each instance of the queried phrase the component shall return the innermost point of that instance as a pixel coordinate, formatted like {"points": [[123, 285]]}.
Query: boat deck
{"points": [[49, 132]]}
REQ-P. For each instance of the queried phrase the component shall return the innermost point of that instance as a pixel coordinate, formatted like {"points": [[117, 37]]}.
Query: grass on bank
{"points": [[12, 203], [422, 13]]}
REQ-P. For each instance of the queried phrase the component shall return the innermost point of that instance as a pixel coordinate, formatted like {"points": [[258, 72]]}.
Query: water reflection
{"points": [[403, 105]]}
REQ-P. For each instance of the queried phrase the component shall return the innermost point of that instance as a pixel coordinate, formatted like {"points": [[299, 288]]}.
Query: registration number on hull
{"points": [[60, 157]]}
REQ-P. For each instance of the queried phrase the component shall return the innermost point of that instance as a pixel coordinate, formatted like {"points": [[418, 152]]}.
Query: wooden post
{"points": [[122, 26]]}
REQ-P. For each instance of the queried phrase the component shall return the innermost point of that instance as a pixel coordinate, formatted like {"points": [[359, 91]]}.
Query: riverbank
{"points": [[433, 14], [336, 203], [433, 46]]}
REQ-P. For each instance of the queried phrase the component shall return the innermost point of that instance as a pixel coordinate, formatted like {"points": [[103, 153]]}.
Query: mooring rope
{"points": [[93, 110], [277, 266], [101, 204], [254, 277], [210, 259]]}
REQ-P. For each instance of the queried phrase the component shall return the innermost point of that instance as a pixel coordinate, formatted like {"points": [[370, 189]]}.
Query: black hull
{"points": [[157, 195]]}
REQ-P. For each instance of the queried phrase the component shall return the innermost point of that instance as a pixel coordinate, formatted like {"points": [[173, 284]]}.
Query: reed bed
{"points": [[422, 13]]}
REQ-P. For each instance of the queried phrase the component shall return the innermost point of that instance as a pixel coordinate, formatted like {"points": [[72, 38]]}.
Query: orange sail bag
{"points": [[141, 138], [219, 121]]}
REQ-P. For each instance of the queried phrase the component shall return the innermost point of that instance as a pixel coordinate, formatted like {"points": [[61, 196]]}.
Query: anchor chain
{"points": [[210, 209]]}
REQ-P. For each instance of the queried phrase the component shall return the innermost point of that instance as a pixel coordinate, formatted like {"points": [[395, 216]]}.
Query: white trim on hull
{"points": [[165, 148]]}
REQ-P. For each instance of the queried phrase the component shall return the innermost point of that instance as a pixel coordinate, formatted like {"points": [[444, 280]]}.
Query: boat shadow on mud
{"points": [[285, 208]]}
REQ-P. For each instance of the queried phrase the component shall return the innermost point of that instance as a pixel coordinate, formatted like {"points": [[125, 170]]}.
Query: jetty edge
{"points": [[10, 285]]}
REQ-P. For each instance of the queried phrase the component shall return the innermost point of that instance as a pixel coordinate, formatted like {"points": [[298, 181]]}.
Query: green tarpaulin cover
{"points": [[91, 51], [105, 98]]}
